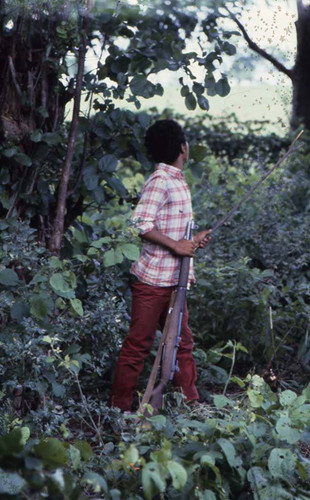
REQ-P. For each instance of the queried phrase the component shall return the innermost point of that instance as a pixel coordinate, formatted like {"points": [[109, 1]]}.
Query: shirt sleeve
{"points": [[153, 197]]}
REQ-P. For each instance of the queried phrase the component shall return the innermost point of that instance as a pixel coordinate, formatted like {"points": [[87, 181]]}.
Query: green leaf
{"points": [[208, 495], [140, 86], [8, 277], [287, 397], [36, 136], [101, 241], [190, 102], [96, 481], [198, 153], [25, 434], [11, 483], [256, 399], [23, 159], [55, 263], [281, 463], [130, 251], [112, 257], [85, 450], [203, 103], [8, 153], [108, 163], [286, 431], [109, 258], [77, 306], [51, 138], [58, 390], [75, 457], [12, 443], [258, 479], [52, 452], [19, 310], [230, 454], [38, 306], [210, 85], [221, 401], [152, 481], [63, 284], [229, 48], [178, 474], [222, 87], [90, 178], [131, 456], [239, 381], [184, 90], [115, 184], [198, 89]]}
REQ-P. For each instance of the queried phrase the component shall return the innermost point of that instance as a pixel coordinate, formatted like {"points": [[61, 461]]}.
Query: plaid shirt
{"points": [[165, 205]]}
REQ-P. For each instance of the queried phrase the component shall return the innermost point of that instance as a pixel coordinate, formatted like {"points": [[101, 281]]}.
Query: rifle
{"points": [[167, 352]]}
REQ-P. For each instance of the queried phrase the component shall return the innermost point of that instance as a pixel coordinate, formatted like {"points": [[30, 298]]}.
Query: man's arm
{"points": [[179, 247]]}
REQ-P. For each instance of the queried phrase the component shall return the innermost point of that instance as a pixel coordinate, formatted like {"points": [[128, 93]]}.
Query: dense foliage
{"points": [[63, 317], [63, 320]]}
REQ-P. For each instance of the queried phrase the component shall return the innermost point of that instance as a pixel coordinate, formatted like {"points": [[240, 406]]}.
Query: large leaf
{"points": [[77, 306], [130, 251], [112, 257], [178, 474], [38, 306], [108, 163], [286, 432], [190, 102], [97, 482], [222, 87], [90, 177], [63, 284], [116, 185], [85, 450], [11, 483], [282, 462], [8, 277], [203, 103], [52, 452], [51, 138], [12, 443], [140, 86], [152, 481], [23, 159], [198, 153], [229, 452]]}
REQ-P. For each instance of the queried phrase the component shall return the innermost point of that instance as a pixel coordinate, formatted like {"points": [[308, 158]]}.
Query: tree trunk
{"points": [[56, 237], [301, 71]]}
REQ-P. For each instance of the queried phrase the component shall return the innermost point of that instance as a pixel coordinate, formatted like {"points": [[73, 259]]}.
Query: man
{"points": [[161, 217]]}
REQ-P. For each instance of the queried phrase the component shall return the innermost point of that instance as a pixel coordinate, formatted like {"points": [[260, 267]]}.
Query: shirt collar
{"points": [[173, 171]]}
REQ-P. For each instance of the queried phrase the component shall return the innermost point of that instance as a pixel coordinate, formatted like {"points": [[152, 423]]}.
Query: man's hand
{"points": [[184, 248], [202, 238]]}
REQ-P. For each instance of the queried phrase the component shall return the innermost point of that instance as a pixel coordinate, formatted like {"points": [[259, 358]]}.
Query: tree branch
{"points": [[259, 50], [300, 7], [13, 75], [58, 226]]}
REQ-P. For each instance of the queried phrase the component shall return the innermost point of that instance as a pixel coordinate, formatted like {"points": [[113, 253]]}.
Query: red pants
{"points": [[149, 310]]}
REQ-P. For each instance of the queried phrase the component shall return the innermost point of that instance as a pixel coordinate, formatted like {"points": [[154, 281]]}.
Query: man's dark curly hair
{"points": [[163, 141]]}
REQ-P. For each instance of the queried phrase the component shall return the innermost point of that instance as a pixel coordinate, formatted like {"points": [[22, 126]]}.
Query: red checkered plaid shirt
{"points": [[165, 205]]}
